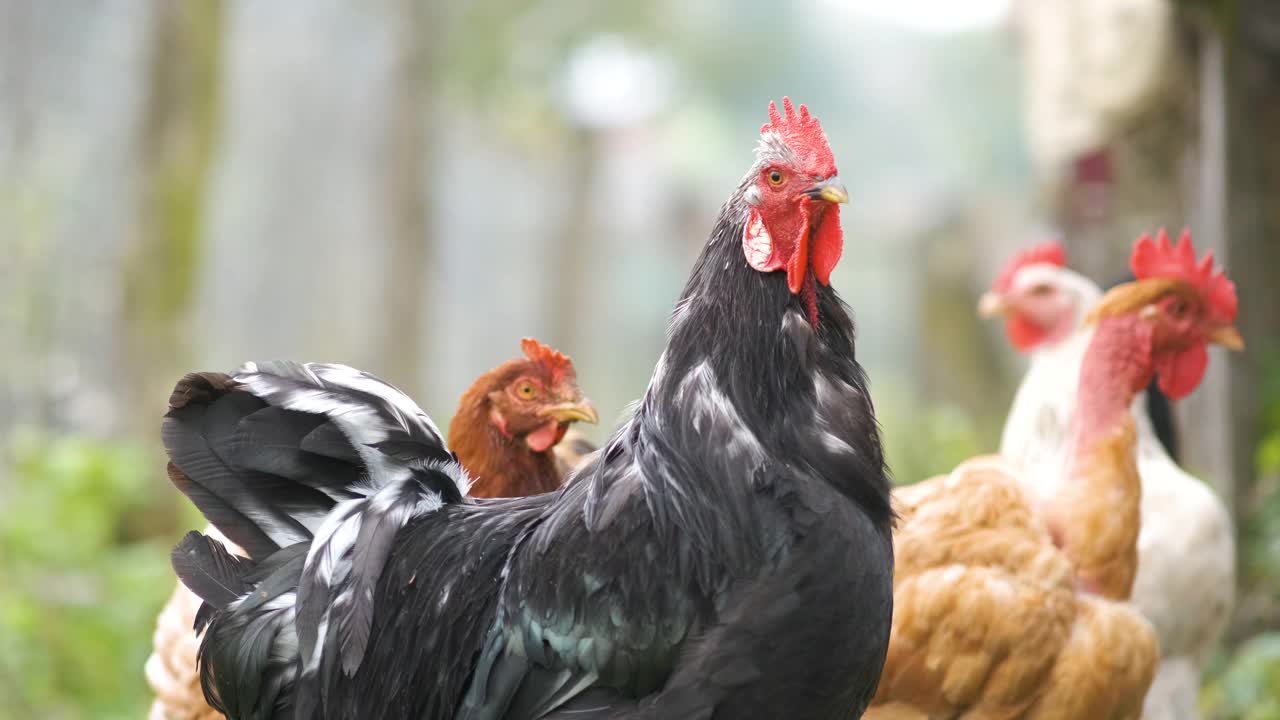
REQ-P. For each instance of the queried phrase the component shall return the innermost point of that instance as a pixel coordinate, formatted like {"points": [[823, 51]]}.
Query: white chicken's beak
{"points": [[993, 304]]}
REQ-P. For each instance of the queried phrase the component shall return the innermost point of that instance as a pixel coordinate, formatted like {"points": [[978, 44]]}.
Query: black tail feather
{"points": [[209, 570], [232, 523]]}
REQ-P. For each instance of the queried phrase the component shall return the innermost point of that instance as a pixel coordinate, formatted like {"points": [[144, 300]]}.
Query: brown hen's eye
{"points": [[525, 391], [1041, 290], [775, 177]]}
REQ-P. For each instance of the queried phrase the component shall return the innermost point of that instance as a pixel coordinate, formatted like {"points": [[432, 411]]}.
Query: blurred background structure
{"points": [[410, 186]]}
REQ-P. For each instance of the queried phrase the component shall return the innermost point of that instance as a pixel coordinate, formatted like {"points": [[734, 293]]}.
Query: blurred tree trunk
{"points": [[407, 288], [177, 136], [1253, 216]]}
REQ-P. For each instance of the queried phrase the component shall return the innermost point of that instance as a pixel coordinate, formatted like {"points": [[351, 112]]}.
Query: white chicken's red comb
{"points": [[1049, 252], [1161, 259]]}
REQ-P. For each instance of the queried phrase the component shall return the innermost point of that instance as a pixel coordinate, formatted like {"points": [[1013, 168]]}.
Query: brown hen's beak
{"points": [[993, 304], [1228, 337], [569, 412], [829, 190]]}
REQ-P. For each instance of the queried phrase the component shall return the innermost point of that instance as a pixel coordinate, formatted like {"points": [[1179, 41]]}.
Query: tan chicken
{"points": [[1011, 607], [507, 432]]}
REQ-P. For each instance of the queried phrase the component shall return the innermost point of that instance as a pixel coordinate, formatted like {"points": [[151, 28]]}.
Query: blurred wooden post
{"points": [[1206, 416], [1252, 209]]}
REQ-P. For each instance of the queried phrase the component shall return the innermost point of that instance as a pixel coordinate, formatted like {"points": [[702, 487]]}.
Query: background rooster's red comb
{"points": [[1050, 251], [1159, 258], [556, 362], [803, 134]]}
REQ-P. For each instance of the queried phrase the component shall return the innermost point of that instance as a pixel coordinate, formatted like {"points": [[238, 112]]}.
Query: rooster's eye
{"points": [[525, 391], [775, 177]]}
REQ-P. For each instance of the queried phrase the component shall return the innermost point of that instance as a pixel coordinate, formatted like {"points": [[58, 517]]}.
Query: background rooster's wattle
{"points": [[1186, 571], [727, 554], [500, 434]]}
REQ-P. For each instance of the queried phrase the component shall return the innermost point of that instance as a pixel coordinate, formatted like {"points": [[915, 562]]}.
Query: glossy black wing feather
{"points": [[337, 595], [378, 528], [248, 655]]}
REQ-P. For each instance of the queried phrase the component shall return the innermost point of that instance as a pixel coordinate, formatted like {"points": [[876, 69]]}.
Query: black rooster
{"points": [[726, 555]]}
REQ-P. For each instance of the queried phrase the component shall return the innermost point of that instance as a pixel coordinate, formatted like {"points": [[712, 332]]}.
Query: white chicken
{"points": [[1186, 548]]}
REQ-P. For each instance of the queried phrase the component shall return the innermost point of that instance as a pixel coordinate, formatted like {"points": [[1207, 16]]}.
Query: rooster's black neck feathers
{"points": [[743, 340]]}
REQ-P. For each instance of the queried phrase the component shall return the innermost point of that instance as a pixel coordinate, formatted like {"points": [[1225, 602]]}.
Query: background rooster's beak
{"points": [[992, 305], [829, 190], [1228, 337], [572, 412]]}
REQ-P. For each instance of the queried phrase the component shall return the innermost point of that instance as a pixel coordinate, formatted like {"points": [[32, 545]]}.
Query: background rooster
{"points": [[1186, 570], [505, 430], [726, 554], [1009, 603]]}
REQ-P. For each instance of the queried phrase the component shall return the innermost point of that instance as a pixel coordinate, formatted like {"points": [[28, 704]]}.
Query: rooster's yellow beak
{"points": [[829, 190]]}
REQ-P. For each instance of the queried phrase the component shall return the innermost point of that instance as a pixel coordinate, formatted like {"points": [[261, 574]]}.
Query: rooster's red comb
{"points": [[556, 362], [1049, 252], [803, 134], [1161, 259]]}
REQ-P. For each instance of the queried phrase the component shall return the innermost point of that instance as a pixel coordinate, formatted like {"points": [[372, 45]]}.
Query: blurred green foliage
{"points": [[1245, 685], [84, 542], [922, 440], [1249, 687]]}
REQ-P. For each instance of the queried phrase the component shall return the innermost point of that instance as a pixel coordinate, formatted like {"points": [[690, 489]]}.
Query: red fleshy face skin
{"points": [[1024, 334], [828, 244], [1179, 374], [798, 266], [545, 437]]}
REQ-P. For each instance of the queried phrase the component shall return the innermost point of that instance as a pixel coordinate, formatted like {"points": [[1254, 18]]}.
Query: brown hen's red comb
{"points": [[1049, 252], [556, 362], [1160, 259], [803, 134]]}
